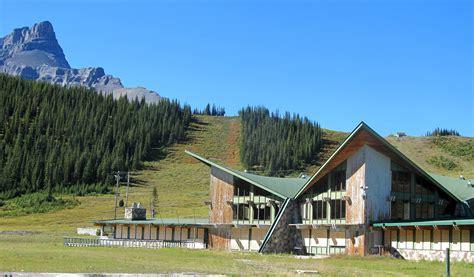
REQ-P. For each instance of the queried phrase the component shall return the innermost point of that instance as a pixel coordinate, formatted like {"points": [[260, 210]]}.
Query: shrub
{"points": [[443, 162], [462, 149], [38, 202]]}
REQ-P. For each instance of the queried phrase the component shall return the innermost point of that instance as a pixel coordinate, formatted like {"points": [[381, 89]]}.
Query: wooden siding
{"points": [[219, 238], [221, 193]]}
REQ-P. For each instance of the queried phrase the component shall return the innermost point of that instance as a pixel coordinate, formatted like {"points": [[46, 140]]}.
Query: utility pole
{"points": [[126, 193], [117, 178]]}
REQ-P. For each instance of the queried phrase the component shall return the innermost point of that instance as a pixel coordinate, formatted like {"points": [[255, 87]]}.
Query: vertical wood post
{"points": [[447, 263]]}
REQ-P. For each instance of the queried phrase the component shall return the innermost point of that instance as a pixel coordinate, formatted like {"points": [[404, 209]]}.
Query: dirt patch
{"points": [[233, 150]]}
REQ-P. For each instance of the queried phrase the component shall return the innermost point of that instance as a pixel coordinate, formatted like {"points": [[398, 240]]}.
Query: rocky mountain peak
{"points": [[39, 38], [35, 54]]}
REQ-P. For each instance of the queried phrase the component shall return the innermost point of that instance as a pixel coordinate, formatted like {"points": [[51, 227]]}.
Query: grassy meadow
{"points": [[42, 252]]}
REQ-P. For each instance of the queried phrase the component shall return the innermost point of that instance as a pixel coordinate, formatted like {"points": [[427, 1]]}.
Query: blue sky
{"points": [[397, 65]]}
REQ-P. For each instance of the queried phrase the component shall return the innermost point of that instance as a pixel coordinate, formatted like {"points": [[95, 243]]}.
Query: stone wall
{"points": [[286, 238], [436, 255]]}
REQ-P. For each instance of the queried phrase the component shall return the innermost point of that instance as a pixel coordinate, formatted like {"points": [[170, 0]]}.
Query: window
{"points": [[319, 209], [406, 211], [304, 211], [338, 180], [400, 181], [424, 210], [321, 186], [260, 192], [400, 210], [240, 212], [422, 186], [241, 188], [261, 212], [189, 233], [338, 209]]}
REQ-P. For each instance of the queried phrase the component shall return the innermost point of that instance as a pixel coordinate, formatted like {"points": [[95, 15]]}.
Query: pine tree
{"points": [[71, 139]]}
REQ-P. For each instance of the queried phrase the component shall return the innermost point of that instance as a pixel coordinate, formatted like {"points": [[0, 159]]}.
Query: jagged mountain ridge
{"points": [[35, 54]]}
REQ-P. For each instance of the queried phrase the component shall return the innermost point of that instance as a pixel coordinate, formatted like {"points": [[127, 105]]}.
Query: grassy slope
{"points": [[419, 149], [179, 179]]}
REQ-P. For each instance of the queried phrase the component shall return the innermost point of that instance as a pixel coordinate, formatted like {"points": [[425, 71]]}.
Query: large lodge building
{"points": [[367, 198]]}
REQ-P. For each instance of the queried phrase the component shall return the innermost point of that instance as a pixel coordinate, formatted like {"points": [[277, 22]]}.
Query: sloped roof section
{"points": [[285, 186], [459, 187], [282, 187]]}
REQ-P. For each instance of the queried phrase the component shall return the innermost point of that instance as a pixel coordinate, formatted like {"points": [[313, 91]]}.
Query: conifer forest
{"points": [[71, 139], [277, 144]]}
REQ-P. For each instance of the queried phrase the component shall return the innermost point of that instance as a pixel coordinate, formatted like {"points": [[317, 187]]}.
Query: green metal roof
{"points": [[456, 186], [449, 222], [285, 186], [282, 187], [155, 221]]}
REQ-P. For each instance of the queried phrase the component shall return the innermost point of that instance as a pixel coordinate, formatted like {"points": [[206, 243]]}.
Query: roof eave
{"points": [[209, 163]]}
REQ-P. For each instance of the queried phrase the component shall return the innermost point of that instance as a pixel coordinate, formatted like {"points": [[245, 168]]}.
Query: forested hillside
{"points": [[275, 144], [72, 139]]}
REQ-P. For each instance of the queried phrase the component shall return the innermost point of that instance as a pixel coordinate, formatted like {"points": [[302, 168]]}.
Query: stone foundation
{"points": [[286, 238], [436, 255]]}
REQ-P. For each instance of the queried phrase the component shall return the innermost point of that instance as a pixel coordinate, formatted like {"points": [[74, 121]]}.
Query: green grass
{"points": [[45, 253]]}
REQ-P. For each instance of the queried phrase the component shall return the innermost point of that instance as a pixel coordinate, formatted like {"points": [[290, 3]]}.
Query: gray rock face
{"points": [[35, 54]]}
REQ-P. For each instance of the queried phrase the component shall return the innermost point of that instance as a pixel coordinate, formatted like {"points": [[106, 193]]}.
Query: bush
{"points": [[443, 162], [38, 202], [455, 147]]}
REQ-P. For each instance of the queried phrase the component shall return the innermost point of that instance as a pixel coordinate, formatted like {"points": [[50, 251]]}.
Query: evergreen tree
{"points": [[72, 139], [275, 144]]}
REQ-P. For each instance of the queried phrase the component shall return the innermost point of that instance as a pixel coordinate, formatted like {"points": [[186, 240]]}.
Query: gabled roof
{"points": [[364, 135], [282, 187]]}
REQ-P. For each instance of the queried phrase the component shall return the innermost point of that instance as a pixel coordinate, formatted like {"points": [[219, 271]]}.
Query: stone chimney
{"points": [[135, 212]]}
